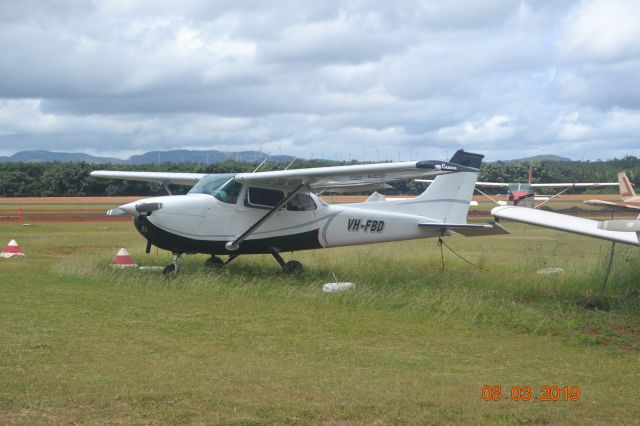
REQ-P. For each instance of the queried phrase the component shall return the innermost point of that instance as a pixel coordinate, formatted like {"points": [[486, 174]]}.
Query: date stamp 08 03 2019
{"points": [[525, 393]]}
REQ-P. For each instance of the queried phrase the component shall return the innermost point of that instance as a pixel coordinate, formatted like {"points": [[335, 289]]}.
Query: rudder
{"points": [[626, 189]]}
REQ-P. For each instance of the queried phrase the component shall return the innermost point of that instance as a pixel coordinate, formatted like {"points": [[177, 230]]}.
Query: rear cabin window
{"points": [[301, 203]]}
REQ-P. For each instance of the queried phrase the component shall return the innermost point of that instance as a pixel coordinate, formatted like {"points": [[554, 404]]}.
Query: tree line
{"points": [[56, 179]]}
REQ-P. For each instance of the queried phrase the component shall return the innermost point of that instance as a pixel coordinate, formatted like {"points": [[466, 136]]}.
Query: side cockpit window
{"points": [[228, 193], [265, 198]]}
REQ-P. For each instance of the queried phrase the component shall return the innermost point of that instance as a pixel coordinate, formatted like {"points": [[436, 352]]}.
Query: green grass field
{"points": [[83, 343]]}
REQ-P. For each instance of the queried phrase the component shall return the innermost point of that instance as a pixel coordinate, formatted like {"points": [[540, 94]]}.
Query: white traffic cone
{"points": [[11, 250], [123, 260]]}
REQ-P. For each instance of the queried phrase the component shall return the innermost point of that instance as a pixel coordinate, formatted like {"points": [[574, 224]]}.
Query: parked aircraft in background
{"points": [[522, 194], [629, 198], [278, 211]]}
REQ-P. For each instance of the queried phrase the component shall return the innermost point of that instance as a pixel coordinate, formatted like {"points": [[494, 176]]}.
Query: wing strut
{"points": [[551, 198], [233, 245], [165, 186]]}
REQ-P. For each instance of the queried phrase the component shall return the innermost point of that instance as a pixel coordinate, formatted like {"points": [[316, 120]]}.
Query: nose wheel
{"points": [[291, 267]]}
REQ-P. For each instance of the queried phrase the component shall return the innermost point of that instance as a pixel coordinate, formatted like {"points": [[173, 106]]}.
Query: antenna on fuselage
{"points": [[260, 165], [291, 163]]}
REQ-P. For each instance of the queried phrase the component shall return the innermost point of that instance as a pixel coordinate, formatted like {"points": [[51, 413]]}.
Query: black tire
{"points": [[214, 263], [293, 267], [169, 269]]}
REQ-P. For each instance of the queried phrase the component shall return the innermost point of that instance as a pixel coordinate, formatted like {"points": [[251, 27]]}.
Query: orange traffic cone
{"points": [[123, 260], [12, 249]]}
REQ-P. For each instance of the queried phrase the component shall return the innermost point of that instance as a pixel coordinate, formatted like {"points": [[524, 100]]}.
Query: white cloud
{"points": [[602, 31], [347, 78], [483, 132]]}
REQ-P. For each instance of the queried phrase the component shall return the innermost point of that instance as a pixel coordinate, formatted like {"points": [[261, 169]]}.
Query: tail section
{"points": [[626, 189], [448, 197]]}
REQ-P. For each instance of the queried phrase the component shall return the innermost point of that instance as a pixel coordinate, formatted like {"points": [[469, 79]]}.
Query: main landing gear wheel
{"points": [[293, 267], [214, 262]]}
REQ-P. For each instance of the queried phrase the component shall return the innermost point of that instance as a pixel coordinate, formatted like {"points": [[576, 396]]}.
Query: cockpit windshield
{"points": [[519, 187], [221, 186]]}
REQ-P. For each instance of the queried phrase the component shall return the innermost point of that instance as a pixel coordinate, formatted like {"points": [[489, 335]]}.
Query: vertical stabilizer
{"points": [[626, 189], [449, 196]]}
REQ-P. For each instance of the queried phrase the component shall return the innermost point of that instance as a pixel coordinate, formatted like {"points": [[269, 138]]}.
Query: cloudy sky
{"points": [[334, 79]]}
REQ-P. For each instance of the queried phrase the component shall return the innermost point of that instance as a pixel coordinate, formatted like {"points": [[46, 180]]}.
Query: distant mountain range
{"points": [[184, 156], [153, 157]]}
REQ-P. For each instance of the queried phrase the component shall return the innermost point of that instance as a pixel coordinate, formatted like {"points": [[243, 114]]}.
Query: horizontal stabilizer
{"points": [[563, 222], [468, 229]]}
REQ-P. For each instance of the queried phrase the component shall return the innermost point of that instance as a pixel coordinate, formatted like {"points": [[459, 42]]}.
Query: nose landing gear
{"points": [[172, 268]]}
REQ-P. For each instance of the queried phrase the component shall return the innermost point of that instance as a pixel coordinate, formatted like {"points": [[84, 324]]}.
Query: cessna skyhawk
{"points": [[278, 211]]}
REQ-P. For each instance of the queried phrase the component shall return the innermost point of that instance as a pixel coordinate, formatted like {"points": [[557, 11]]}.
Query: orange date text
{"points": [[527, 393]]}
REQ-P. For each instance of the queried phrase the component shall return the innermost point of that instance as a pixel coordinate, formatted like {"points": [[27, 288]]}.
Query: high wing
{"points": [[611, 204], [364, 175], [339, 178], [344, 178], [576, 225], [160, 177]]}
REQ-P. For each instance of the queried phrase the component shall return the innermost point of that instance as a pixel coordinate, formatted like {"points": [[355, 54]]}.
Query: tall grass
{"points": [[86, 343], [507, 292]]}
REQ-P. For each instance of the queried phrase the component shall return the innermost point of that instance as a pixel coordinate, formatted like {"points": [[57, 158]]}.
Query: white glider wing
{"points": [[319, 178], [160, 177], [563, 222]]}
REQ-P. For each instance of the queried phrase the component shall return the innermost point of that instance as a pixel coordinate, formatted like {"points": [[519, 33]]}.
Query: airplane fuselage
{"points": [[199, 223]]}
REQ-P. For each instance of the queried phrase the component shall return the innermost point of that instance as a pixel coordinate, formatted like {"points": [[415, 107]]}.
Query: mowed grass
{"points": [[83, 343]]}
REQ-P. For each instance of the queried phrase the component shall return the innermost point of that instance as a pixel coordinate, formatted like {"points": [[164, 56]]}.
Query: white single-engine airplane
{"points": [[277, 211]]}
